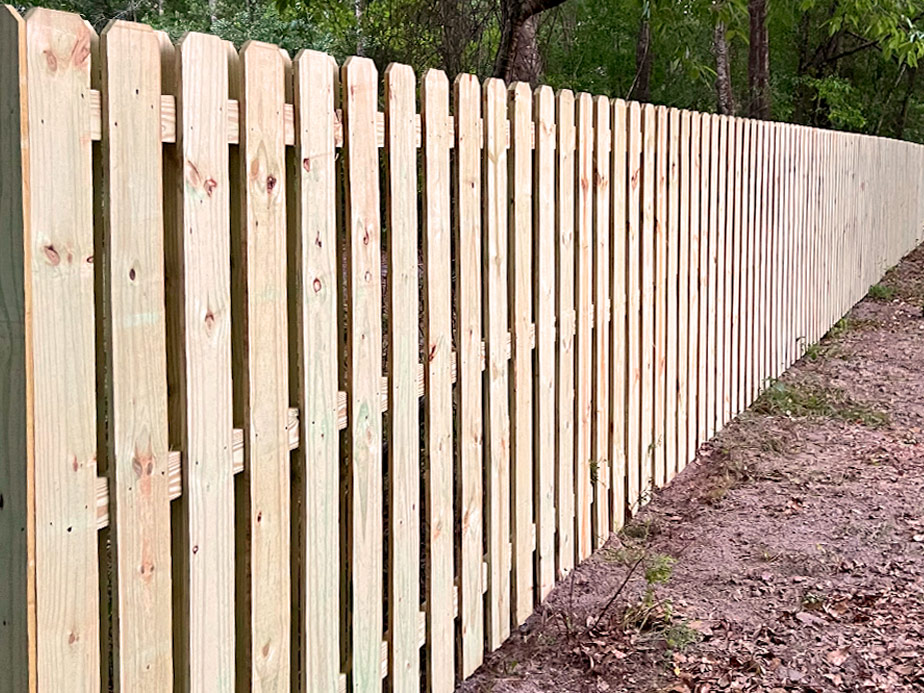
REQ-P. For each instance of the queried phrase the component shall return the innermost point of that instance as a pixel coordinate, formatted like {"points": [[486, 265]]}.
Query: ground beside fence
{"points": [[788, 557]]}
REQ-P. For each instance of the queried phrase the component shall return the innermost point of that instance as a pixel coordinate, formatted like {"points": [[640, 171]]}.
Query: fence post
{"points": [[17, 511]]}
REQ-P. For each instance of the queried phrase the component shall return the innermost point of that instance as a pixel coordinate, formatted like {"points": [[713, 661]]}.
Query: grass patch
{"points": [[807, 400], [881, 292]]}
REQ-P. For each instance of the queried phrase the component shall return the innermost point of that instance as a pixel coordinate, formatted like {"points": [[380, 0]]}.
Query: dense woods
{"points": [[845, 64]]}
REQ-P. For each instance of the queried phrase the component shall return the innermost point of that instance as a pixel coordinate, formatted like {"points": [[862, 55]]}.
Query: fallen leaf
{"points": [[837, 657]]}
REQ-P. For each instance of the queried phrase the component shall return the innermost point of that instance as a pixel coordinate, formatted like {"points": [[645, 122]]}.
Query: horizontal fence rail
{"points": [[301, 394]]}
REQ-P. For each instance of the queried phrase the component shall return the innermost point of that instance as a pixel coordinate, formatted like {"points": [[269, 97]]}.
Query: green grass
{"points": [[803, 399], [881, 292]]}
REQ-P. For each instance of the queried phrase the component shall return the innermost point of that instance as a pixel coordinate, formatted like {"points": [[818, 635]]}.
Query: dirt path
{"points": [[788, 557]]}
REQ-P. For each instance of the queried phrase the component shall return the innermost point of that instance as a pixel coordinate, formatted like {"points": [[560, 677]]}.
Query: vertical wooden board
{"points": [[717, 286], [565, 320], [745, 343], [686, 303], [437, 324], [403, 358], [497, 432], [199, 370], [17, 529], [520, 243], [261, 386], [762, 260], [635, 453], [659, 441], [584, 297], [544, 302], [364, 368], [733, 246], [672, 238], [59, 272], [314, 303], [619, 186], [135, 357], [601, 371], [702, 138], [727, 273], [647, 331]]}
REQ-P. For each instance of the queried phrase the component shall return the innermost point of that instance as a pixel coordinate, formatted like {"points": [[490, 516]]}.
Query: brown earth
{"points": [[788, 557]]}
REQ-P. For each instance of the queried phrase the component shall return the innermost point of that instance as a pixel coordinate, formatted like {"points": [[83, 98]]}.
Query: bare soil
{"points": [[788, 557]]}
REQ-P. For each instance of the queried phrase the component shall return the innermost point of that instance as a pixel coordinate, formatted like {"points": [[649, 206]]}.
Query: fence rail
{"points": [[298, 394]]}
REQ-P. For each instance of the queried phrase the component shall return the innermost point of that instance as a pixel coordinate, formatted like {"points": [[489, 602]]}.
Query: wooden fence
{"points": [[262, 431]]}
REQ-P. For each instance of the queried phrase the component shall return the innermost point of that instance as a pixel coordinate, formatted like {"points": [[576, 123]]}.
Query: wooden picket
{"points": [[264, 432]]}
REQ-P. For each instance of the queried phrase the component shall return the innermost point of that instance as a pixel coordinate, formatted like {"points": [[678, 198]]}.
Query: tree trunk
{"points": [[759, 61], [723, 85], [644, 61], [518, 53], [903, 114]]}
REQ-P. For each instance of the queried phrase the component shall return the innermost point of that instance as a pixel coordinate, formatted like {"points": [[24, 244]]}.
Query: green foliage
{"points": [[881, 292], [847, 64], [839, 99]]}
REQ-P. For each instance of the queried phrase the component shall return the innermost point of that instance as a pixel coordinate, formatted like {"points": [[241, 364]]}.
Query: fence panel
{"points": [[578, 292]]}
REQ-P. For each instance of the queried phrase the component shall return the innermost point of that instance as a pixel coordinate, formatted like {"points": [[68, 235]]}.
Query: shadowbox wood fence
{"points": [[307, 383]]}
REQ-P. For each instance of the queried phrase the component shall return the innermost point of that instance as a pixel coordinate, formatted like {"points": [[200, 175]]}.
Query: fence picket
{"points": [[583, 280], [635, 452], [58, 231], [134, 345], [619, 339], [495, 292], [686, 303], [438, 482], [647, 246], [544, 301], [661, 223], [520, 243], [403, 357], [314, 325], [363, 376], [600, 450], [262, 492], [565, 312], [199, 369], [671, 349]]}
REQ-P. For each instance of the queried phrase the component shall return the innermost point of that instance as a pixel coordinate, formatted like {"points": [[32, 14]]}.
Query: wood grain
{"points": [[59, 256], [135, 356], [438, 423], [403, 357], [314, 328], [199, 369], [261, 363], [543, 252], [565, 313], [363, 383]]}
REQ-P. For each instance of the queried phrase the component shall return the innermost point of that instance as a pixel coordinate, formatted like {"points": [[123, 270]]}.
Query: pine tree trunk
{"points": [[723, 85], [759, 61]]}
